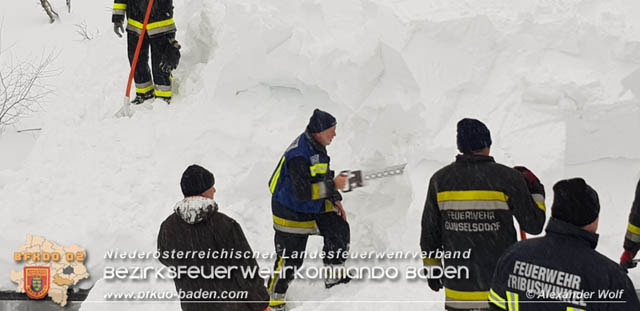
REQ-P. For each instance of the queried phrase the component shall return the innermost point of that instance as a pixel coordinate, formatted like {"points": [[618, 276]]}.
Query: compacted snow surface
{"points": [[553, 80]]}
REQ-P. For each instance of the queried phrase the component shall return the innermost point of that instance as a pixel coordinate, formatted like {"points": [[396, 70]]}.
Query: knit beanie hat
{"points": [[196, 180], [320, 121], [473, 135], [575, 202]]}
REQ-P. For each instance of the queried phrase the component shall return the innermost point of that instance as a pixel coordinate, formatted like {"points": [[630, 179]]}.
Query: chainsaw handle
{"points": [[347, 185]]}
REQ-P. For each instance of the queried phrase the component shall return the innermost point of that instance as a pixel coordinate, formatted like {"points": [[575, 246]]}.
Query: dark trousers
{"points": [[290, 246], [161, 83]]}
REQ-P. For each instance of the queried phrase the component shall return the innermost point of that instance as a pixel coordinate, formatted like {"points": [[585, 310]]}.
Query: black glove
{"points": [[171, 56], [435, 284], [533, 183], [117, 28]]}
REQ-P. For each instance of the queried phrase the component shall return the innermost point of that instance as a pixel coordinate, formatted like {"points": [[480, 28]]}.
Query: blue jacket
{"points": [[303, 179], [302, 185]]}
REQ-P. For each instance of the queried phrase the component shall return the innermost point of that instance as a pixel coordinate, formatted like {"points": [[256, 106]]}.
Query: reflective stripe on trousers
{"points": [[163, 90], [466, 299], [142, 88]]}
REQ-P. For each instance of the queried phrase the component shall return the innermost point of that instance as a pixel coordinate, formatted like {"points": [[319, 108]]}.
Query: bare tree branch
{"points": [[23, 87], [85, 34]]}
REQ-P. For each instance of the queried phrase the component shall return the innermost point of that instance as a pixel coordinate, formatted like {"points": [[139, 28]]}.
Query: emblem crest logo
{"points": [[36, 281]]}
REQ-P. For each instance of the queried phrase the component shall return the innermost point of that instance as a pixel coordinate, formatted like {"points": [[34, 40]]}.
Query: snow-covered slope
{"points": [[544, 75]]}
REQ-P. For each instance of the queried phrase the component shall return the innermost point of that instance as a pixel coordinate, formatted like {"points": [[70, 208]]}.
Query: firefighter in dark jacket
{"points": [[632, 238], [208, 239], [305, 200], [160, 37], [562, 271], [469, 208]]}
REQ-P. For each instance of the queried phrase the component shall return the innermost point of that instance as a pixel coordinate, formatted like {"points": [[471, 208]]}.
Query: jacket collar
{"points": [[473, 158], [316, 145], [557, 228], [195, 209]]}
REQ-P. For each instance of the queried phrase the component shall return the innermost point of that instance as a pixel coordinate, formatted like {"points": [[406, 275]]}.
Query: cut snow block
{"points": [[603, 132]]}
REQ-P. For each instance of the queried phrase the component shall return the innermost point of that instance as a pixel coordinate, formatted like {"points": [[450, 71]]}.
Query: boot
{"points": [[337, 274], [166, 100], [141, 98], [276, 302]]}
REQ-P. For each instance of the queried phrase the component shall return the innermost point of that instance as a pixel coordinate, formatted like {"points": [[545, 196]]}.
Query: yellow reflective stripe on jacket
{"points": [[431, 261], [513, 301], [539, 199], [119, 6], [633, 229], [472, 195], [276, 176], [464, 295], [497, 300], [151, 26], [320, 168], [574, 309], [315, 191], [318, 191], [633, 233], [328, 206], [311, 224]]}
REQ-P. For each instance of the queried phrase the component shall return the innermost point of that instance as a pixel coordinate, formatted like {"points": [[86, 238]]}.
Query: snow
{"points": [[553, 80]]}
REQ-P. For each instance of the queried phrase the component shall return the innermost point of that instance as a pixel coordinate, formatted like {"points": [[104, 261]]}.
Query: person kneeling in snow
{"points": [[197, 227]]}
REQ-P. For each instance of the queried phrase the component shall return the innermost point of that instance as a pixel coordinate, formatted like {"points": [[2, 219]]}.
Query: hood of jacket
{"points": [[195, 209]]}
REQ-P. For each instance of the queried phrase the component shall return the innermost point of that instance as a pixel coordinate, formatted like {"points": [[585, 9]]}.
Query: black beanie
{"points": [[196, 180], [575, 202], [473, 135], [320, 121]]}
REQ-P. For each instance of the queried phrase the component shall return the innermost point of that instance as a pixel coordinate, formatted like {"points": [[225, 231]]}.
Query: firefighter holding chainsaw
{"points": [[305, 201], [469, 208], [159, 37]]}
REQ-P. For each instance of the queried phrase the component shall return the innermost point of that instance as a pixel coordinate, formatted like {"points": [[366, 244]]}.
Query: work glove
{"points": [[435, 284], [626, 260], [533, 183], [171, 56], [118, 29]]}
